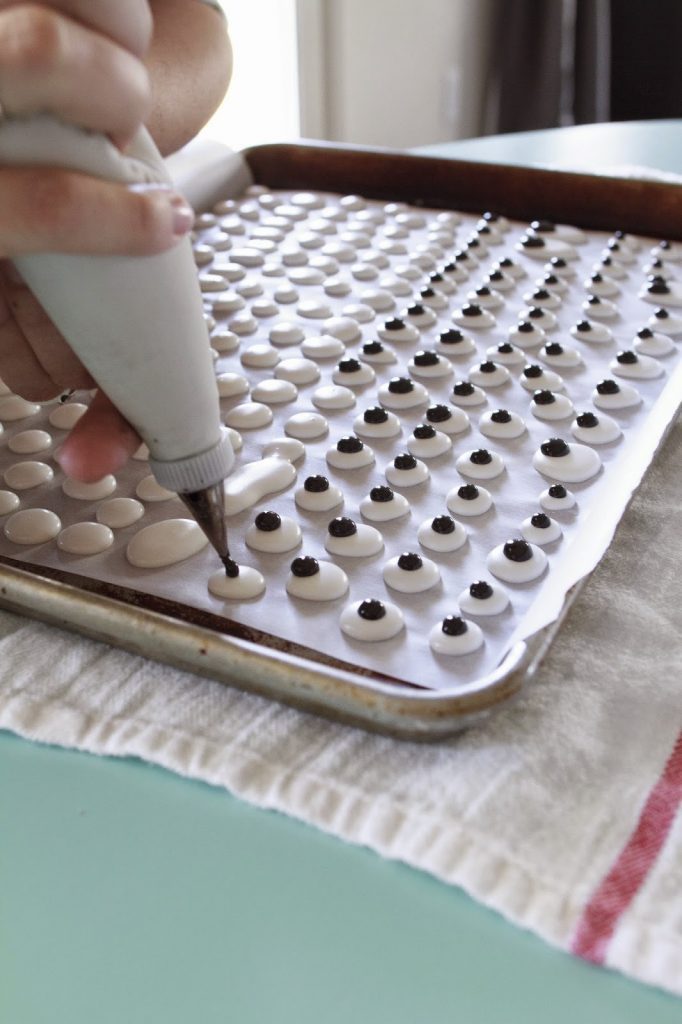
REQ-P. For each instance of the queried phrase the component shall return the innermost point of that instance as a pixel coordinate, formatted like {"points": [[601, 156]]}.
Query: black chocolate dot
{"points": [[532, 242], [316, 484], [483, 290], [375, 414], [468, 492], [481, 457], [501, 416], [544, 397], [371, 610], [349, 445], [454, 625], [268, 521], [427, 293], [525, 326], [305, 566], [463, 388], [627, 358], [587, 419], [645, 333], [471, 309], [583, 326], [540, 294], [661, 314], [557, 261], [423, 432], [372, 348], [416, 309], [342, 526], [557, 491], [450, 337], [541, 521], [608, 387], [487, 367], [410, 561], [349, 366], [395, 324], [555, 448], [400, 385], [381, 494], [481, 590], [443, 524], [553, 348], [231, 567], [438, 414], [505, 348], [426, 359], [532, 371], [542, 225], [405, 461], [657, 286], [535, 313], [517, 550]]}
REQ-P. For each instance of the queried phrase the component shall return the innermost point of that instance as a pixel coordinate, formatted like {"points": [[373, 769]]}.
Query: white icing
{"points": [[406, 332], [561, 407], [598, 308], [24, 475], [429, 447], [337, 286], [498, 376], [517, 572], [227, 302], [328, 584], [253, 481], [483, 471], [605, 431], [525, 339], [385, 511], [492, 605], [371, 630], [350, 460], [85, 539], [243, 324], [551, 504], [646, 368], [232, 385], [333, 396], [666, 321], [539, 534], [274, 392], [32, 526], [12, 408], [466, 643], [542, 298], [569, 357], [486, 297], [260, 355], [477, 397], [344, 328], [244, 587], [673, 297], [298, 370], [318, 501], [285, 537], [249, 416], [308, 426], [482, 321], [580, 464], [117, 513], [604, 286], [657, 345], [418, 395], [407, 477], [359, 311], [289, 448], [441, 542], [456, 423], [365, 542], [149, 490], [356, 378], [626, 397], [323, 347], [286, 333], [462, 347], [9, 501], [468, 507], [411, 581], [548, 380], [514, 428], [382, 358], [28, 442], [598, 334], [165, 543], [439, 370]]}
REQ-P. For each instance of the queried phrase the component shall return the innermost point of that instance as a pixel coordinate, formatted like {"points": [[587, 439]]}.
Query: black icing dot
{"points": [[532, 242], [487, 367], [381, 494], [268, 521], [517, 550], [375, 414], [541, 521], [661, 314], [544, 397], [501, 416], [416, 309], [553, 348], [395, 324], [454, 625], [410, 561], [608, 387], [349, 366], [427, 293], [481, 590], [657, 286], [664, 244], [349, 445], [583, 326], [481, 457], [305, 566], [449, 268], [468, 492], [316, 484], [436, 278], [231, 567], [506, 262], [558, 261], [342, 526], [594, 300], [554, 448], [426, 359], [371, 610], [471, 309], [423, 432], [484, 290], [400, 385], [532, 371], [505, 348], [645, 333], [525, 326], [438, 414], [587, 419], [540, 294], [557, 491], [405, 461], [491, 217], [372, 348], [535, 313], [542, 225], [596, 278], [627, 358], [451, 337], [463, 388], [443, 524], [495, 276], [550, 279]]}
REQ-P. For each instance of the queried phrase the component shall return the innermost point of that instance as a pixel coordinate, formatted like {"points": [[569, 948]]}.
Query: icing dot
{"points": [[318, 495], [273, 533], [406, 471], [323, 347], [466, 394], [117, 513], [9, 501], [85, 539], [251, 482], [306, 426], [260, 355], [455, 636], [231, 385], [547, 405], [350, 453], [149, 490], [638, 367], [286, 333], [489, 374], [453, 342], [501, 424], [298, 371], [480, 463], [517, 561], [409, 573], [353, 373], [382, 505], [609, 394], [32, 526], [574, 463], [165, 543], [377, 422], [468, 500], [274, 392], [345, 537], [287, 448], [247, 584], [249, 416], [371, 620], [540, 529], [427, 442], [314, 580], [24, 475], [447, 419], [595, 429], [378, 353], [483, 598], [28, 442], [333, 396], [12, 408], [402, 393], [442, 533]]}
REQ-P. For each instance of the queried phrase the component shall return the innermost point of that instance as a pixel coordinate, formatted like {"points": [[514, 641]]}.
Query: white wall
{"points": [[392, 72]]}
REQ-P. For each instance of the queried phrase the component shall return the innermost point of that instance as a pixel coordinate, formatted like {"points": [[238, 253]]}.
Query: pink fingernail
{"points": [[183, 216]]}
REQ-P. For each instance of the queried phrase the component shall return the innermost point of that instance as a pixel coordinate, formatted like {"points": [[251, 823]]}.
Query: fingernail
{"points": [[183, 215]]}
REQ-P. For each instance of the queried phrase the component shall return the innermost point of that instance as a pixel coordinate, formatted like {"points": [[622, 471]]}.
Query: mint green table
{"points": [[131, 896]]}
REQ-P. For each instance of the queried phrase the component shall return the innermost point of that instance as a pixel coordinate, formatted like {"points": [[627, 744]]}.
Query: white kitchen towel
{"points": [[561, 811]]}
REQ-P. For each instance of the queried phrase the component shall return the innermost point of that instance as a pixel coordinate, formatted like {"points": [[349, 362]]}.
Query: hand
{"points": [[82, 60]]}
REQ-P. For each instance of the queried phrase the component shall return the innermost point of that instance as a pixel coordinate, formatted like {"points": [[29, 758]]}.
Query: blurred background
{"points": [[402, 73]]}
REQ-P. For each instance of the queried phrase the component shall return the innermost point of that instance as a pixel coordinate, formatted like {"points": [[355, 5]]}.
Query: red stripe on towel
{"points": [[620, 886]]}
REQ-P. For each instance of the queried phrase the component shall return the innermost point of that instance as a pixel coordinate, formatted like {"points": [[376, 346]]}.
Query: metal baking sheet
{"points": [[237, 647]]}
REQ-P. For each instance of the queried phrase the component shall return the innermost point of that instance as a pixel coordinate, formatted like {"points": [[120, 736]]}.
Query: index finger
{"points": [[126, 22]]}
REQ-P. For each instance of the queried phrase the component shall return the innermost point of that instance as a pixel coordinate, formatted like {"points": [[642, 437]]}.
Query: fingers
{"points": [[48, 210], [126, 22], [101, 442], [50, 63]]}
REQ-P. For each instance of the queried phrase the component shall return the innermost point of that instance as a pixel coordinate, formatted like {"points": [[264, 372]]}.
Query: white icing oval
{"points": [[274, 392], [465, 643], [24, 475], [232, 385], [244, 587], [252, 482], [411, 581], [149, 490], [557, 504], [390, 427], [507, 431], [323, 347], [539, 534], [299, 371], [476, 506], [561, 407], [318, 501], [333, 396], [165, 543], [117, 513], [605, 430], [307, 426], [344, 328], [260, 356], [94, 491], [13, 408], [328, 584], [285, 537], [85, 539], [429, 447], [480, 471], [288, 448], [407, 477], [28, 442], [384, 511], [580, 464], [366, 541], [350, 460], [32, 526], [517, 572], [371, 630], [492, 605], [429, 538], [249, 416], [9, 501]]}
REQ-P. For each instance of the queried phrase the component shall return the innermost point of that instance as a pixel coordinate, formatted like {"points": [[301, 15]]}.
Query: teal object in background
{"points": [[129, 895]]}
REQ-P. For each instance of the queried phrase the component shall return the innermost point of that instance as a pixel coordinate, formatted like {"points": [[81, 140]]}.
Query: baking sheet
{"points": [[587, 530]]}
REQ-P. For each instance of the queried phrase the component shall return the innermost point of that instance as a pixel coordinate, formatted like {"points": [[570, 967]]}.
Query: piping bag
{"points": [[135, 322]]}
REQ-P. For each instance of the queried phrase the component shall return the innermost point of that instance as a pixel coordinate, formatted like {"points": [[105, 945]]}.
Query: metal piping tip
{"points": [[207, 507]]}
